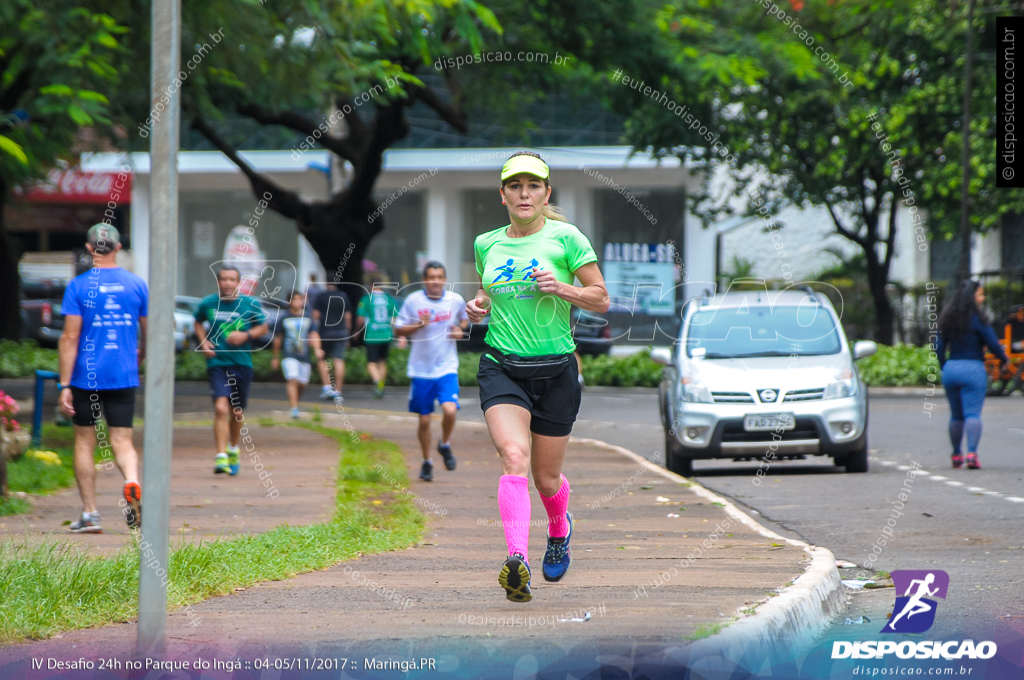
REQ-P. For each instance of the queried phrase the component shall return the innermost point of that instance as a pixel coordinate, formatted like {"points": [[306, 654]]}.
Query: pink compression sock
{"points": [[514, 506], [557, 506]]}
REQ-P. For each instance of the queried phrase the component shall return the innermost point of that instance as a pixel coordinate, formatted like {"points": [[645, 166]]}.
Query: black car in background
{"points": [[591, 331], [42, 321]]}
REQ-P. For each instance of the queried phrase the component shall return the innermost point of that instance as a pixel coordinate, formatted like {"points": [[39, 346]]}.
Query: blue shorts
{"points": [[232, 382], [425, 390]]}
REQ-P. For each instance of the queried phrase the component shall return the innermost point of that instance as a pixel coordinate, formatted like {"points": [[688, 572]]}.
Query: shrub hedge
{"points": [[896, 366]]}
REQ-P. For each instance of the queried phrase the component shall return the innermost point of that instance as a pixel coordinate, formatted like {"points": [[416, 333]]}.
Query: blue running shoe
{"points": [[233, 460], [558, 556], [514, 577]]}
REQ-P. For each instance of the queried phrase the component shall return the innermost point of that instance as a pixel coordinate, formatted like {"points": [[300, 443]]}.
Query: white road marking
{"points": [[977, 490]]}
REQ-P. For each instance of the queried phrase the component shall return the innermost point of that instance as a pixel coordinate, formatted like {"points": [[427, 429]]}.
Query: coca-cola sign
{"points": [[72, 185]]}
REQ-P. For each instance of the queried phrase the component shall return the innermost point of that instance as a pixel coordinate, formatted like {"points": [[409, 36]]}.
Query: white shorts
{"points": [[296, 370]]}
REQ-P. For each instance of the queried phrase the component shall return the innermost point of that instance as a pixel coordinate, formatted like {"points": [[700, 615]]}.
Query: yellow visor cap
{"points": [[528, 164]]}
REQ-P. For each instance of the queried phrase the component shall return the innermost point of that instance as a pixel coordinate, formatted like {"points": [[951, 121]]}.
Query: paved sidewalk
{"points": [[430, 591], [301, 464]]}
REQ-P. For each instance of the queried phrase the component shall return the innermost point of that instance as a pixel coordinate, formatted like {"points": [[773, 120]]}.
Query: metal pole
{"points": [[163, 284], [965, 198]]}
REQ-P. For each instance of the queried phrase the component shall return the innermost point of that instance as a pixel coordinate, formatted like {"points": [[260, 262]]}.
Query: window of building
{"points": [[944, 258], [1012, 237], [207, 221], [396, 248]]}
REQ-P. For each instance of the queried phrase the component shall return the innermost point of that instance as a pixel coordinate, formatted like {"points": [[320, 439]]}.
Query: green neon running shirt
{"points": [[525, 321]]}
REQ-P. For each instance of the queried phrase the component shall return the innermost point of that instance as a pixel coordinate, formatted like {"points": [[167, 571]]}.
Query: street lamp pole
{"points": [[163, 259]]}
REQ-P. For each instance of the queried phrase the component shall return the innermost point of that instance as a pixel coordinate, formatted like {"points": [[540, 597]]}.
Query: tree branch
{"points": [[356, 126], [300, 123], [19, 86], [890, 238], [453, 115], [842, 230], [282, 200], [389, 126]]}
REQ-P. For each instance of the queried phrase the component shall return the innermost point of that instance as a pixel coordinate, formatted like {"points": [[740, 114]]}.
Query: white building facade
{"points": [[628, 205]]}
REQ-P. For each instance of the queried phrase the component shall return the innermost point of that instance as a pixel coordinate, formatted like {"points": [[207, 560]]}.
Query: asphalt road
{"points": [[966, 522]]}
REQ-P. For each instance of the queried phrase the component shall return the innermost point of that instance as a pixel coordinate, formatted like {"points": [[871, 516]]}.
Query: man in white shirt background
{"points": [[433, 319]]}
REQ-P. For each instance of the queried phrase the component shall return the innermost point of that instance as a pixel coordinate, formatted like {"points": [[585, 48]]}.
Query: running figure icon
{"points": [[913, 612], [507, 271], [529, 270], [914, 604]]}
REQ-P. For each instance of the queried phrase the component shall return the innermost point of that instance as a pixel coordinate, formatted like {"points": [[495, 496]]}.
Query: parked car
{"points": [[184, 319], [42, 321], [764, 374]]}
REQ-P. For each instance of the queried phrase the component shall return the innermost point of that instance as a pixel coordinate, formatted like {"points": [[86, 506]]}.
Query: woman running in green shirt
{"points": [[529, 390]]}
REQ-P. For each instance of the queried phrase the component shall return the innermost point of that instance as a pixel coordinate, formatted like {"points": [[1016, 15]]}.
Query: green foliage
{"points": [[56, 64], [635, 370], [34, 476], [21, 359], [900, 366], [52, 588], [706, 630], [14, 506]]}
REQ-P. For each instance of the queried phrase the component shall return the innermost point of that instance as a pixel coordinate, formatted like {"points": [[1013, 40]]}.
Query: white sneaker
{"points": [[326, 393]]}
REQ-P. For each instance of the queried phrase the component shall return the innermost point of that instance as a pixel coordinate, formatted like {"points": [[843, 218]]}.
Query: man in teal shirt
{"points": [[234, 321], [375, 314]]}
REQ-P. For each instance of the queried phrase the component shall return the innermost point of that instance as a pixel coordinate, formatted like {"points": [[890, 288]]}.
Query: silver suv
{"points": [[763, 374]]}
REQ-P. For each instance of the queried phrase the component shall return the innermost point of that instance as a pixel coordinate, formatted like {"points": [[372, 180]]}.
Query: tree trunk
{"points": [[10, 281], [885, 317]]}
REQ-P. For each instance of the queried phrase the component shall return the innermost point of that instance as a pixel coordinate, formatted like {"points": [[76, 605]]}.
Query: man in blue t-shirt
{"points": [[100, 352]]}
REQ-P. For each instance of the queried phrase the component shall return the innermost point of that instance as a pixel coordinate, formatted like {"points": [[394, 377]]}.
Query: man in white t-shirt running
{"points": [[433, 319]]}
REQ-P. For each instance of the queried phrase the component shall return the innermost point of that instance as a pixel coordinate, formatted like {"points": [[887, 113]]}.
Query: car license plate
{"points": [[769, 421]]}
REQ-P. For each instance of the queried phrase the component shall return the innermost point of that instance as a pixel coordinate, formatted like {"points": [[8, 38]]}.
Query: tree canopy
{"points": [[58, 65]]}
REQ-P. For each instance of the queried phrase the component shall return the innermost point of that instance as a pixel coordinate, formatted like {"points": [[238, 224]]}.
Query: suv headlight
{"points": [[695, 391], [844, 385]]}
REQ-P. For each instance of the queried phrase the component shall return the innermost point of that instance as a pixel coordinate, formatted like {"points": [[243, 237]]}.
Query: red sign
{"points": [[74, 186]]}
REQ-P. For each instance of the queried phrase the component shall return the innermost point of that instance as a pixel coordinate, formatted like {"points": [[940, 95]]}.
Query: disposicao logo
{"points": [[914, 613]]}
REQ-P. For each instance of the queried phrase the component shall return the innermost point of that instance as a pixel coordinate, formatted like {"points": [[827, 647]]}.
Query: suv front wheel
{"points": [[675, 461], [857, 461]]}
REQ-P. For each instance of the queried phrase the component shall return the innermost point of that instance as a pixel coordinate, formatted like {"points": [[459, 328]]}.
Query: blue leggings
{"points": [[965, 382]]}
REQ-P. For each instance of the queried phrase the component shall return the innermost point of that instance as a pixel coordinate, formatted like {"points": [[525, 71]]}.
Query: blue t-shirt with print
{"points": [[110, 300]]}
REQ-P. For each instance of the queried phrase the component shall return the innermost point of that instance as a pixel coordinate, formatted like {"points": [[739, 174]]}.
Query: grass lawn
{"points": [[38, 476], [55, 588]]}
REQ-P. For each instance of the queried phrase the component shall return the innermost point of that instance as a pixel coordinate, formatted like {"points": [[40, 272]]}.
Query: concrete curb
{"points": [[795, 618]]}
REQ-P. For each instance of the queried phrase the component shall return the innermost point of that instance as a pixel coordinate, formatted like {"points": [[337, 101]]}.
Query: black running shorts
{"points": [[116, 406], [553, 403], [377, 351]]}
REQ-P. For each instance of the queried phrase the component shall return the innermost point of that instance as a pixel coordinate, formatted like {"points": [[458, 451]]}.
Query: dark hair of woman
{"points": [[955, 319]]}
